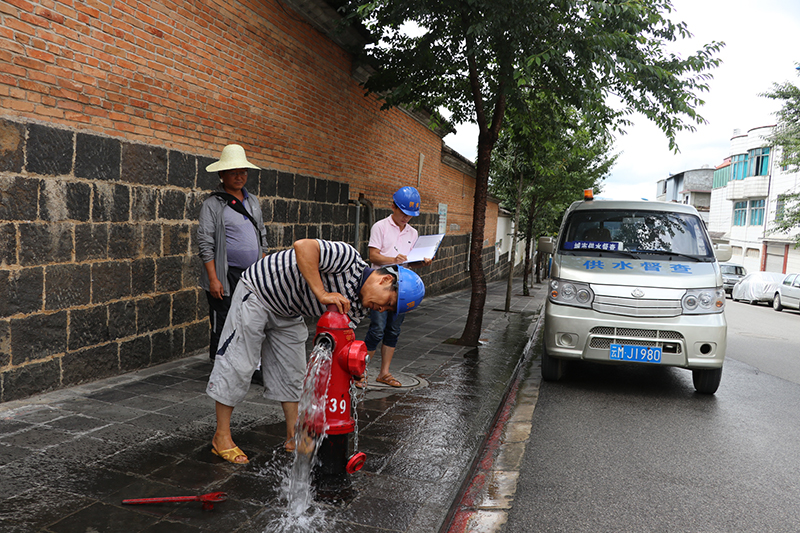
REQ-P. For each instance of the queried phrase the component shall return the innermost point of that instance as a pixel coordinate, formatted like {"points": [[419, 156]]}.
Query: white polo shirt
{"points": [[389, 240]]}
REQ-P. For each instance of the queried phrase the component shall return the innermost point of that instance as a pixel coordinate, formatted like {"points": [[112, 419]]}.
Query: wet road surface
{"points": [[634, 448]]}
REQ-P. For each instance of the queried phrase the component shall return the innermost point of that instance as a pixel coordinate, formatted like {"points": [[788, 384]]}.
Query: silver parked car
{"points": [[757, 287], [731, 274], [787, 293]]}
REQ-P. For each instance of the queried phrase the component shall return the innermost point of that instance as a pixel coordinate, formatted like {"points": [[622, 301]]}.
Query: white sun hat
{"points": [[232, 157]]}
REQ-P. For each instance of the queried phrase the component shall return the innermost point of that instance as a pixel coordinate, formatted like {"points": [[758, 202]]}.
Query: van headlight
{"points": [[571, 293], [703, 301]]}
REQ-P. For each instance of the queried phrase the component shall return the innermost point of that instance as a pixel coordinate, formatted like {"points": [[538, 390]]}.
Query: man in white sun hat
{"points": [[231, 236]]}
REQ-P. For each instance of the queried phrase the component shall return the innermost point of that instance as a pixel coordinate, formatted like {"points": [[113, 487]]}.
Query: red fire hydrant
{"points": [[349, 359]]}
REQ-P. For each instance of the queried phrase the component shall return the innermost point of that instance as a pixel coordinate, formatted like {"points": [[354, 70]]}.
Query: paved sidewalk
{"points": [[68, 458]]}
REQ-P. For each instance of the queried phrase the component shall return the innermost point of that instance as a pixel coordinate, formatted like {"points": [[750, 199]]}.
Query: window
{"points": [[739, 213], [739, 171], [756, 212], [635, 231], [759, 162], [721, 176], [780, 207]]}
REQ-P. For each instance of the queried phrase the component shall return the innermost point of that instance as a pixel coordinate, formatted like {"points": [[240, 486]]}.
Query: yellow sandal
{"points": [[231, 454]]}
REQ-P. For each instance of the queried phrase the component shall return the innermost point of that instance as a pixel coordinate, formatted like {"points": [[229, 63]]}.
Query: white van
{"points": [[635, 282]]}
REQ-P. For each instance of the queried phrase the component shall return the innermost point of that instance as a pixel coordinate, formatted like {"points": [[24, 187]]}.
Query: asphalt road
{"points": [[634, 448], [764, 338]]}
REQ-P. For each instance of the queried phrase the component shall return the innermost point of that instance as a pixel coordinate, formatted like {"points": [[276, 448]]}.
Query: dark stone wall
{"points": [[98, 252]]}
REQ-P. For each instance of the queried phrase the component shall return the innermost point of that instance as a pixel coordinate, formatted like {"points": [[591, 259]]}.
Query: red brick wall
{"points": [[109, 113], [194, 76]]}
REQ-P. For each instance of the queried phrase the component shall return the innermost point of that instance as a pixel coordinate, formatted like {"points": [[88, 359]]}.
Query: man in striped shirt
{"points": [[265, 324]]}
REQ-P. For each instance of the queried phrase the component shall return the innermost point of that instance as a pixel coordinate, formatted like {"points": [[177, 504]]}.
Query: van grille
{"points": [[602, 337], [636, 307]]}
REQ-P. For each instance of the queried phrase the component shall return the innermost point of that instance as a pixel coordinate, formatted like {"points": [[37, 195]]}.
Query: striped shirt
{"points": [[279, 285]]}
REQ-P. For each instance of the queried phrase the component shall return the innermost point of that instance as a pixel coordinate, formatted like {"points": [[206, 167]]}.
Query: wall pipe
{"points": [[362, 201]]}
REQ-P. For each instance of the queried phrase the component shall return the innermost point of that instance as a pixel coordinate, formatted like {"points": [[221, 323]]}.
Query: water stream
{"points": [[300, 516]]}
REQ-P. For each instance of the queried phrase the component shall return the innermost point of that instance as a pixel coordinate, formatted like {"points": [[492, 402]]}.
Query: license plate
{"points": [[641, 354]]}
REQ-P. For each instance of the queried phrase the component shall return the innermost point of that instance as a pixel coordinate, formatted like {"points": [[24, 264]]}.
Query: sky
{"points": [[762, 47]]}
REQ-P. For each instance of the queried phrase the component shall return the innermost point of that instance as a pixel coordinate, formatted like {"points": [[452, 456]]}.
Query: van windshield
{"points": [[639, 233]]}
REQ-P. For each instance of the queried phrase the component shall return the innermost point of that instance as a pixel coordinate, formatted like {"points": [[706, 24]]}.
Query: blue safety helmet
{"points": [[407, 200], [410, 289]]}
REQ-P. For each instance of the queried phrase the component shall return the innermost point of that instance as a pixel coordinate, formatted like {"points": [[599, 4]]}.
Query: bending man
{"points": [[266, 324]]}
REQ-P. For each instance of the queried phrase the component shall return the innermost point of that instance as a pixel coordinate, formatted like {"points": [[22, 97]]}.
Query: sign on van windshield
{"points": [[593, 245], [642, 233]]}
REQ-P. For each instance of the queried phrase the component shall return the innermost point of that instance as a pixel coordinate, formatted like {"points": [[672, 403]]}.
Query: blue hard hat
{"points": [[407, 200], [410, 289]]}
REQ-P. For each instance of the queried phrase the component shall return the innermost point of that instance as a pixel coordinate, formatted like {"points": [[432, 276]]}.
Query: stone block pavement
{"points": [[68, 458]]}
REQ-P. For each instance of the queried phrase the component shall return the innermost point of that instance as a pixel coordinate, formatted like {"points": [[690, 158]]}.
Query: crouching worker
{"points": [[265, 324]]}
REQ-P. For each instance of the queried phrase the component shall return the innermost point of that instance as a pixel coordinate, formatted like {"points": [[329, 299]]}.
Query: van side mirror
{"points": [[546, 245], [723, 252]]}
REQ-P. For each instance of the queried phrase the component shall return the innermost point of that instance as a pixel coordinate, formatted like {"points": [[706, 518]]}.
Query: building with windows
{"points": [[747, 198], [691, 187]]}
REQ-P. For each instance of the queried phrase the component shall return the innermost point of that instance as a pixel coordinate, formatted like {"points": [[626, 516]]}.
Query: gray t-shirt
{"points": [[240, 238]]}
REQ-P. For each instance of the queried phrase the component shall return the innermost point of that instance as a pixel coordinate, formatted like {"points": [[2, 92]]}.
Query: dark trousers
{"points": [[218, 310]]}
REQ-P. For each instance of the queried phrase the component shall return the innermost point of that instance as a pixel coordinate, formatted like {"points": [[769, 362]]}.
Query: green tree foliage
{"points": [[545, 157], [786, 136], [789, 219], [474, 56], [787, 131]]}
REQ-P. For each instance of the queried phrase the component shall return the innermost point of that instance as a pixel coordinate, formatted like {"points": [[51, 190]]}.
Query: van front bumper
{"points": [[687, 341]]}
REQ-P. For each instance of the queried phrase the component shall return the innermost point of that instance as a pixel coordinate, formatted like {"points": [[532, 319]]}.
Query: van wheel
{"points": [[706, 380], [776, 303], [552, 368]]}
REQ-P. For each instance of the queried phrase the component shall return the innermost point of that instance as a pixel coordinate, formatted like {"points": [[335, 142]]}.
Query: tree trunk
{"points": [[486, 140], [526, 267], [537, 254], [528, 246], [513, 257], [472, 329]]}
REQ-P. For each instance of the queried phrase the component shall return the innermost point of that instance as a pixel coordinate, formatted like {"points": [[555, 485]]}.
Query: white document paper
{"points": [[426, 246]]}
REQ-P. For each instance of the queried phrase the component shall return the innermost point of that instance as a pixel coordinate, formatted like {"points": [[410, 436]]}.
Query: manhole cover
{"points": [[407, 380]]}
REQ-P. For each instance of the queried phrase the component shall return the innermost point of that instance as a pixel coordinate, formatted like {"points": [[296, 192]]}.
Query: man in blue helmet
{"points": [[390, 241], [265, 324]]}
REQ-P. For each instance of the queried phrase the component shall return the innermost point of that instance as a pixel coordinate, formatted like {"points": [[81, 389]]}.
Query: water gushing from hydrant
{"points": [[311, 410], [296, 487]]}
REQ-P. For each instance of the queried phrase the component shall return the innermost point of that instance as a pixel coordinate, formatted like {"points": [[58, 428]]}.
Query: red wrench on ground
{"points": [[207, 499]]}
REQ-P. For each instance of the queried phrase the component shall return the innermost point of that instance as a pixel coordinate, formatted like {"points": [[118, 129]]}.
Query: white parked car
{"points": [[787, 293], [757, 287]]}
